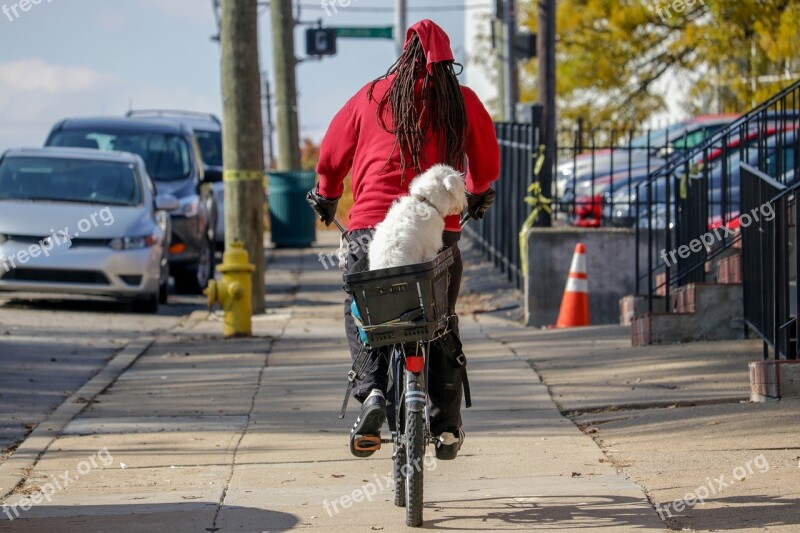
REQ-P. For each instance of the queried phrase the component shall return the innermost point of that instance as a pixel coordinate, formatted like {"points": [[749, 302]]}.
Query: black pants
{"points": [[445, 387]]}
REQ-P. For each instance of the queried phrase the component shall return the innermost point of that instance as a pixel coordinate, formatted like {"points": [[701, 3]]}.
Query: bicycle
{"points": [[403, 308]]}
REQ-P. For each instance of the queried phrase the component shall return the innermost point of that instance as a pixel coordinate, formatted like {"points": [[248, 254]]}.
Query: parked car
{"points": [[651, 150], [173, 160], [207, 129], [83, 222], [620, 203]]}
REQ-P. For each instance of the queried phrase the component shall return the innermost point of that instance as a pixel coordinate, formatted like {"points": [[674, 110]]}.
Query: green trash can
{"points": [[292, 220]]}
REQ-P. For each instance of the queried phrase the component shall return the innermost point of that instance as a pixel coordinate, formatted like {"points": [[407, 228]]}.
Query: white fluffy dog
{"points": [[412, 230]]}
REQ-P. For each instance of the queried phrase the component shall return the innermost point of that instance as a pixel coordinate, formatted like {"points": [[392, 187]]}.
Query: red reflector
{"points": [[415, 363]]}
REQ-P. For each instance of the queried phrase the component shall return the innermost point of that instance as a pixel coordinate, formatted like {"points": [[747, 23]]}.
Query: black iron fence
{"points": [[673, 185], [496, 236], [769, 261], [689, 210]]}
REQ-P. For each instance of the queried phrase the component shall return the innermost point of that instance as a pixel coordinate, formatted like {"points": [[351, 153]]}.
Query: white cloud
{"points": [[35, 94], [36, 75]]}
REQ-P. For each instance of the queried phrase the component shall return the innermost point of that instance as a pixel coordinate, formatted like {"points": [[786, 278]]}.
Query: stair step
{"points": [[703, 311], [729, 269]]}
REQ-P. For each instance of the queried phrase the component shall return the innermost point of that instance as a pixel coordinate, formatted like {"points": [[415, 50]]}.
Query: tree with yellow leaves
{"points": [[612, 53]]}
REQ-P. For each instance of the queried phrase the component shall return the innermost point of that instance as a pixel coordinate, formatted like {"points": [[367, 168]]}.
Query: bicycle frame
{"points": [[413, 395]]}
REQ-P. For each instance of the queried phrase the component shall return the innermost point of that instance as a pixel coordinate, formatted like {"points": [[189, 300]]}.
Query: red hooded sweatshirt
{"points": [[355, 141]]}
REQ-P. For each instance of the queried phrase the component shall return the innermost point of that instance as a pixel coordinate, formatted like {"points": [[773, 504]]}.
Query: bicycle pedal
{"points": [[367, 443]]}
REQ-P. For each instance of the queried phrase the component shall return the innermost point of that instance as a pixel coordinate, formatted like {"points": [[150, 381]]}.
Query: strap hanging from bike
{"points": [[361, 366], [451, 345]]}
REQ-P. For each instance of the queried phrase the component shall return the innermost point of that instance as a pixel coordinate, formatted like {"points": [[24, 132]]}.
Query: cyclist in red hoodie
{"points": [[394, 128]]}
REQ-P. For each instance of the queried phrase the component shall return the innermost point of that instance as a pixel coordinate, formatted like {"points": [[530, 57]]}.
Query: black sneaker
{"points": [[448, 444], [365, 437]]}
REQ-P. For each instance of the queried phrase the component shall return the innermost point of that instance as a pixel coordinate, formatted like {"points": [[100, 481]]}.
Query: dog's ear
{"points": [[452, 181]]}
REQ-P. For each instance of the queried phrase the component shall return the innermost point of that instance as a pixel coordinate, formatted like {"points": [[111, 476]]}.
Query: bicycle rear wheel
{"points": [[415, 455]]}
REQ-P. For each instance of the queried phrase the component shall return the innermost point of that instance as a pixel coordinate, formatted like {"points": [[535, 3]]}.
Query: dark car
{"points": [[650, 151], [207, 129], [620, 201], [173, 160]]}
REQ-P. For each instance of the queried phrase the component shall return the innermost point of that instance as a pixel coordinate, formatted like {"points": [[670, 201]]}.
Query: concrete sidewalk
{"points": [[676, 419], [205, 435]]}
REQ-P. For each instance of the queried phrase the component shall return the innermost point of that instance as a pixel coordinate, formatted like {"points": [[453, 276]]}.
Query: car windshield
{"points": [[166, 156], [210, 147], [69, 180]]}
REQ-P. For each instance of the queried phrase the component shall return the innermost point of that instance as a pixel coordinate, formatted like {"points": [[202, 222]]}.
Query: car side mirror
{"points": [[167, 202], [212, 175]]}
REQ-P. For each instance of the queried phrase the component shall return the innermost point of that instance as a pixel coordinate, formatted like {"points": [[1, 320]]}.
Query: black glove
{"points": [[325, 208], [478, 204]]}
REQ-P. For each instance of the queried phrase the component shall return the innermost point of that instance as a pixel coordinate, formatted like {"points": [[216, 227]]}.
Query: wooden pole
{"points": [[242, 136]]}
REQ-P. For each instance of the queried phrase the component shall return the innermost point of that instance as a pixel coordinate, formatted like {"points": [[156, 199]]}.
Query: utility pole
{"points": [[285, 84], [511, 79], [499, 47], [400, 25], [546, 46], [243, 149], [269, 160]]}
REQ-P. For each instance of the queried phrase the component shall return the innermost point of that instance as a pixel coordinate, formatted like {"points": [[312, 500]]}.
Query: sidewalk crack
{"points": [[288, 302]]}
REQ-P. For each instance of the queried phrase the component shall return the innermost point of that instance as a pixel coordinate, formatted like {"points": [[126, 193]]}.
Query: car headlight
{"points": [[189, 206], [133, 243]]}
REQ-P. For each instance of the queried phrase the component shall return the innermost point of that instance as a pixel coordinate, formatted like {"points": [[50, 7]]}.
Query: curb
{"points": [[16, 468]]}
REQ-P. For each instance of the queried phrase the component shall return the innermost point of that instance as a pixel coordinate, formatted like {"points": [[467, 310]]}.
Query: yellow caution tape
{"points": [[242, 175], [539, 203]]}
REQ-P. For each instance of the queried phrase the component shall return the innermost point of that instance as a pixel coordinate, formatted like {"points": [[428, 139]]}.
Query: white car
{"points": [[83, 221]]}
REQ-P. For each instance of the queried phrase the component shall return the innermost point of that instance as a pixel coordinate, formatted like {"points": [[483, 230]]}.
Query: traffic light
{"points": [[321, 41], [525, 45]]}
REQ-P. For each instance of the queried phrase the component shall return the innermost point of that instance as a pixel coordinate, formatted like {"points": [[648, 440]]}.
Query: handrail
{"points": [[688, 155]]}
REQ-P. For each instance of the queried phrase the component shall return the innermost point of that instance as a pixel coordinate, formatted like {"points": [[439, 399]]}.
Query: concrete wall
{"points": [[610, 265]]}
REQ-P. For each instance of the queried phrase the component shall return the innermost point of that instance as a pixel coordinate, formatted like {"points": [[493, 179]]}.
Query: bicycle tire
{"points": [[399, 477], [415, 456]]}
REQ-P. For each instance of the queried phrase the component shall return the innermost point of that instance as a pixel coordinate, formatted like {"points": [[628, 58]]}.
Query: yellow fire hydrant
{"points": [[233, 291]]}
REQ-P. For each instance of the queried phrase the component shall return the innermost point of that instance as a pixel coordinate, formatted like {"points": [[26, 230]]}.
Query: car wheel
{"points": [[148, 306], [194, 280], [163, 292]]}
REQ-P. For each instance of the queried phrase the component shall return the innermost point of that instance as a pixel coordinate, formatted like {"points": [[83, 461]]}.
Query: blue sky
{"points": [[97, 57]]}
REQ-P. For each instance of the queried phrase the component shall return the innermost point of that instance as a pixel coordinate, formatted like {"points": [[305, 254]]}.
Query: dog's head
{"points": [[443, 186]]}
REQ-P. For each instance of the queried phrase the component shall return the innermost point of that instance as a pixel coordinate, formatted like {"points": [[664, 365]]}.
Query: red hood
{"points": [[434, 40]]}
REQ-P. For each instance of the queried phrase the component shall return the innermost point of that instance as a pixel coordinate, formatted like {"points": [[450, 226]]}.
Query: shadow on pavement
{"points": [[173, 517], [538, 512], [177, 306]]}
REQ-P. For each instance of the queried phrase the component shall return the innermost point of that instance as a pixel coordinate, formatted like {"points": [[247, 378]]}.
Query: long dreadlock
{"points": [[439, 109]]}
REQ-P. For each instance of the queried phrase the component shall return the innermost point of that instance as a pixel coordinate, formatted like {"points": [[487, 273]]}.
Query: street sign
{"points": [[364, 32], [320, 42]]}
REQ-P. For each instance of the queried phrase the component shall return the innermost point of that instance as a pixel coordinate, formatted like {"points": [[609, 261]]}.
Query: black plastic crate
{"points": [[401, 304]]}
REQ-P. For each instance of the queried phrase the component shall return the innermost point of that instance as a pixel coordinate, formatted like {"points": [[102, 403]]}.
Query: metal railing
{"points": [[769, 261], [496, 236], [697, 194]]}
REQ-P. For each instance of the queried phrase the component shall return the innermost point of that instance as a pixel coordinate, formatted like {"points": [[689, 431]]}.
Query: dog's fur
{"points": [[412, 230]]}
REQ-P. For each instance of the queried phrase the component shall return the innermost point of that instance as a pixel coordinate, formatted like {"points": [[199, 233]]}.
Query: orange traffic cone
{"points": [[575, 305]]}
